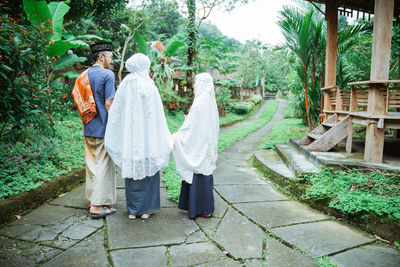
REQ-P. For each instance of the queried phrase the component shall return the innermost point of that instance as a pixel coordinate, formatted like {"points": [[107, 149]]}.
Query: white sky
{"points": [[256, 20]]}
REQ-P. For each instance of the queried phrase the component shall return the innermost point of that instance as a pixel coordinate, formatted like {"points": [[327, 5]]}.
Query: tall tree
{"points": [[195, 18]]}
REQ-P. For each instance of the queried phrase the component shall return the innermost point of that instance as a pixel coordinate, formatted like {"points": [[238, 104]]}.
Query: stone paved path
{"points": [[253, 225]]}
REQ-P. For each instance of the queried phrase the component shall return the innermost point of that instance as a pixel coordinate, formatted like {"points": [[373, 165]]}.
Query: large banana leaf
{"points": [[37, 11], [91, 36], [57, 11], [68, 74], [67, 61], [58, 48], [141, 43], [173, 46]]}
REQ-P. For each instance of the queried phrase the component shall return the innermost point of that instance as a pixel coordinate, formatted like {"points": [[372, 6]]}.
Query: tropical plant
{"points": [[304, 31], [43, 54]]}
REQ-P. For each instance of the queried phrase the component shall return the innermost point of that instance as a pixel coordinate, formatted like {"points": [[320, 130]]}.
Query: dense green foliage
{"points": [[27, 164], [355, 192], [33, 55]]}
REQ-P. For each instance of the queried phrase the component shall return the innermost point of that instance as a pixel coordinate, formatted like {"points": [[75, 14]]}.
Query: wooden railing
{"points": [[356, 99]]}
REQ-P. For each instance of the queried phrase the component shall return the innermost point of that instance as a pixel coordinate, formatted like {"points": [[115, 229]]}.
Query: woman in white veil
{"points": [[137, 137], [195, 150]]}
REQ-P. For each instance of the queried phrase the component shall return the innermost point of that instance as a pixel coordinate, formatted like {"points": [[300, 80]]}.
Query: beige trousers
{"points": [[100, 173]]}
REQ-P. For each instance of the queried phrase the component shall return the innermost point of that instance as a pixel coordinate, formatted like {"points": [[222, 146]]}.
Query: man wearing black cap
{"points": [[100, 170]]}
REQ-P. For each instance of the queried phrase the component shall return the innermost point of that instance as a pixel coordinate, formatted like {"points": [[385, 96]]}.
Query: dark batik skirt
{"points": [[143, 196], [198, 197]]}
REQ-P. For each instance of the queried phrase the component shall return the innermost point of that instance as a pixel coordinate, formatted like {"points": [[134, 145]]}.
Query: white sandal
{"points": [[131, 216], [146, 215]]}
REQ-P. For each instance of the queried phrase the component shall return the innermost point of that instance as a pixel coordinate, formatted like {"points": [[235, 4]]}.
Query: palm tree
{"points": [[305, 34]]}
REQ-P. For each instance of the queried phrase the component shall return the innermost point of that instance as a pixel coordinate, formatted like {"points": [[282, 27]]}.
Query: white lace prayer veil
{"points": [[137, 137], [195, 144]]}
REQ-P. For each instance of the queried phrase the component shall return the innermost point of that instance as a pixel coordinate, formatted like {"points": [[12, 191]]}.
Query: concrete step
{"points": [[295, 160], [273, 162]]}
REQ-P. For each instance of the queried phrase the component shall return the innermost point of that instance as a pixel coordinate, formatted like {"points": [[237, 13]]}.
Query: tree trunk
{"points": [[192, 43]]}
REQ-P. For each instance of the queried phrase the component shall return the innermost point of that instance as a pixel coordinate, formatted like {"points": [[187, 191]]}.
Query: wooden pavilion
{"points": [[374, 103]]}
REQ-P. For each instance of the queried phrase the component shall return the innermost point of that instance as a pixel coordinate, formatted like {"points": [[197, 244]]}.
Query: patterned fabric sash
{"points": [[83, 98]]}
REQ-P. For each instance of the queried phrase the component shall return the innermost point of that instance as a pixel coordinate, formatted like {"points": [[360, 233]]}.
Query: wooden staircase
{"points": [[328, 134]]}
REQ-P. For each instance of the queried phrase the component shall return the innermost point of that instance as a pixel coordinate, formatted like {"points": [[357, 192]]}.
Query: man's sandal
{"points": [[103, 213]]}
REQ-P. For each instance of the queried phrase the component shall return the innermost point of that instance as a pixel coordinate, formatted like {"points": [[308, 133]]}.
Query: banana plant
{"points": [[50, 18]]}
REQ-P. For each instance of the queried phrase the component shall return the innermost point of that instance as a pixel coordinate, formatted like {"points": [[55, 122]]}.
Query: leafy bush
{"points": [[33, 55], [23, 61], [256, 99], [242, 107], [355, 192]]}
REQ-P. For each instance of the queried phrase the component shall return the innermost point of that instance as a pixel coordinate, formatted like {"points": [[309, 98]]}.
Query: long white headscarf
{"points": [[195, 144], [137, 137]]}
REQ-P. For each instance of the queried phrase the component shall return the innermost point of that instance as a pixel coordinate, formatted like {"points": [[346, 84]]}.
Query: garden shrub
{"points": [[356, 192], [243, 107], [256, 99]]}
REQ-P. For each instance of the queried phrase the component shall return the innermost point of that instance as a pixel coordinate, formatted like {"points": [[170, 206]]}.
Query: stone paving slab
{"points": [[249, 193], [226, 262], [253, 263], [280, 213], [146, 257], [322, 238], [239, 236], [75, 199], [196, 237], [208, 225], [277, 254], [236, 178], [20, 253], [192, 254], [370, 255], [45, 215], [220, 206], [166, 226], [89, 252]]}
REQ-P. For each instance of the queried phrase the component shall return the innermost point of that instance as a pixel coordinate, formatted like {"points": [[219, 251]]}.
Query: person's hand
{"points": [[184, 116]]}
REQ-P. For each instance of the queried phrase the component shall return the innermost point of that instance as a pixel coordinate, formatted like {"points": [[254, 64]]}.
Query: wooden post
{"points": [[380, 64], [331, 49]]}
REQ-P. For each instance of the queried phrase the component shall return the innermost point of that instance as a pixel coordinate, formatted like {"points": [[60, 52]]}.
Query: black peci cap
{"points": [[99, 47]]}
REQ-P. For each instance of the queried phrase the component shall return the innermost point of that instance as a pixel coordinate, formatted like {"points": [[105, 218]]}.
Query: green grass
{"points": [[231, 118], [28, 163], [172, 178], [289, 128]]}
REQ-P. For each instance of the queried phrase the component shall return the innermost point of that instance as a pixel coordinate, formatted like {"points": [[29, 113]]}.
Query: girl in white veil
{"points": [[195, 150], [137, 137]]}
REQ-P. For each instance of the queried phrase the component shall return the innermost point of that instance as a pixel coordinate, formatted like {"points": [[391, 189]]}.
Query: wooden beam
{"points": [[331, 48], [380, 67]]}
